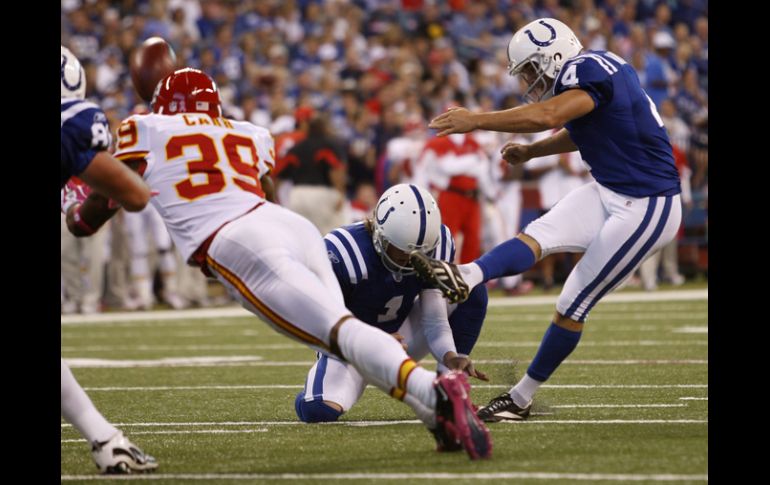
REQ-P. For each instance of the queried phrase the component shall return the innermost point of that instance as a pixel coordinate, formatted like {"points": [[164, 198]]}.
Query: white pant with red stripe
{"points": [[616, 232], [333, 380], [274, 262]]}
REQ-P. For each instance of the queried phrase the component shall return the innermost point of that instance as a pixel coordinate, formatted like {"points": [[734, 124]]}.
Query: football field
{"points": [[210, 393]]}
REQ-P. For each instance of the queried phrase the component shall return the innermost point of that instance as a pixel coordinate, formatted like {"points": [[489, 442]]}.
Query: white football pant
{"points": [[616, 232]]}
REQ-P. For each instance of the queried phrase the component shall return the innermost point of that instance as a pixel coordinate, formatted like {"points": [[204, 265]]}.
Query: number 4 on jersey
{"points": [[570, 76]]}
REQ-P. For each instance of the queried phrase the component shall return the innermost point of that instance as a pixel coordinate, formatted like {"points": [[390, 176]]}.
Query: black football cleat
{"points": [[502, 408], [441, 275]]}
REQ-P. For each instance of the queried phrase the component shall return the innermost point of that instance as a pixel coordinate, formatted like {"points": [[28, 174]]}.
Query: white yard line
{"points": [[607, 362], [156, 348], [691, 330], [290, 346], [189, 431], [167, 362], [611, 343], [403, 421], [621, 386], [611, 421], [475, 386], [259, 423], [256, 361], [701, 316], [614, 477], [693, 399], [617, 406], [194, 388], [637, 296], [230, 312]]}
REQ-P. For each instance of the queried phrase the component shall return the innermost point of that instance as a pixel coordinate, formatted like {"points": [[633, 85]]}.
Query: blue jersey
{"points": [[623, 139], [84, 133], [371, 291]]}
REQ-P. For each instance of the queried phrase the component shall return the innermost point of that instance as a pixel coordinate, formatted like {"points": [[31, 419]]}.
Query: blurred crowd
{"points": [[376, 71]]}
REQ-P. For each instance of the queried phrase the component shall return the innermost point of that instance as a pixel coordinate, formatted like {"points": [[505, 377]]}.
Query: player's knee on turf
{"points": [[315, 411]]}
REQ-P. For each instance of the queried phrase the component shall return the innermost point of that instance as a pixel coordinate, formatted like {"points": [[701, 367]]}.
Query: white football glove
{"points": [[73, 193]]}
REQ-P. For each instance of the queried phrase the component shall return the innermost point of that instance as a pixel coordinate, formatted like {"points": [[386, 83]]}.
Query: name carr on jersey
{"points": [[203, 119]]}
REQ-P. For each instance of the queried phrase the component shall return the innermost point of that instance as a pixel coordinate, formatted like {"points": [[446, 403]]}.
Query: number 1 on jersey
{"points": [[391, 309]]}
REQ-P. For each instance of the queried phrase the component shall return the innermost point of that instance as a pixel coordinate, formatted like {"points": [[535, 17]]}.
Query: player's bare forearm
{"points": [[115, 180], [532, 118], [86, 218], [536, 117], [560, 142]]}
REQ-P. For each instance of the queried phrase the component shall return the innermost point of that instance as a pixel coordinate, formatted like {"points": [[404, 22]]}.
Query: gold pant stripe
{"points": [[264, 309]]}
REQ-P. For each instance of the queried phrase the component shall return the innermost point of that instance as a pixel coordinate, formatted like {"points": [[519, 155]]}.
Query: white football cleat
{"points": [[174, 300], [119, 456]]}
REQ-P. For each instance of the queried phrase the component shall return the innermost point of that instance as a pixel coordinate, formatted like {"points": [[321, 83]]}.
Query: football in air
{"points": [[151, 62]]}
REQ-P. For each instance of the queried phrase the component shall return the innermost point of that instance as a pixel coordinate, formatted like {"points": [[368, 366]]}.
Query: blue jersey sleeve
{"points": [[467, 319], [84, 133], [338, 265], [591, 73]]}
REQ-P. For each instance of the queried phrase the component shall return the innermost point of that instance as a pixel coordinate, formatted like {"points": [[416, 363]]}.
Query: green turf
{"points": [[643, 332]]}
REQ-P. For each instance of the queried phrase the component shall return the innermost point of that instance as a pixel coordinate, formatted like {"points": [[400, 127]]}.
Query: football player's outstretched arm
{"points": [[438, 334], [530, 118], [113, 179], [84, 219]]}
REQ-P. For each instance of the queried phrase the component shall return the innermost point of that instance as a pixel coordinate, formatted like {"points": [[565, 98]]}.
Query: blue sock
{"points": [[314, 411], [556, 345], [467, 319], [507, 259]]}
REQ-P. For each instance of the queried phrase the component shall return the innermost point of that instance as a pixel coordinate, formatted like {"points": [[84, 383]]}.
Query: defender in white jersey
{"points": [[207, 170], [208, 173]]}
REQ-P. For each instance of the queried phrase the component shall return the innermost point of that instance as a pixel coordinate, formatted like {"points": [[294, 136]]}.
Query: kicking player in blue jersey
{"points": [[630, 211], [85, 139], [371, 262]]}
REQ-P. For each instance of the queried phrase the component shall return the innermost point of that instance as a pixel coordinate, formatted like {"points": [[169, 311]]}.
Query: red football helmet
{"points": [[187, 91]]}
